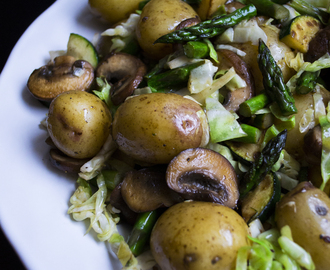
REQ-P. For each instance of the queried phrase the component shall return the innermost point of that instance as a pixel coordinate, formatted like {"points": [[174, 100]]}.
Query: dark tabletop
{"points": [[15, 17]]}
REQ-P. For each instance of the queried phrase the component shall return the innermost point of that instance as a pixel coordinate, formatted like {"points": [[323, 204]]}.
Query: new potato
{"points": [[306, 210], [158, 18], [78, 123], [114, 11], [155, 127], [198, 235]]}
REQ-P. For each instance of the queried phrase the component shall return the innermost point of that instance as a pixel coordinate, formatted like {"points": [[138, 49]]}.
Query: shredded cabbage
{"points": [[201, 77], [86, 205], [223, 125], [122, 34], [273, 250], [93, 167], [245, 31]]}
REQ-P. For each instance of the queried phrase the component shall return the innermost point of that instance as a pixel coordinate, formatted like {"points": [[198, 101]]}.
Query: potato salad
{"points": [[201, 125]]}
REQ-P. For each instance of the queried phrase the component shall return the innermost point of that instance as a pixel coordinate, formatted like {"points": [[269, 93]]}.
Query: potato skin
{"points": [[306, 210], [158, 18], [155, 127], [198, 235], [78, 123], [114, 11]]}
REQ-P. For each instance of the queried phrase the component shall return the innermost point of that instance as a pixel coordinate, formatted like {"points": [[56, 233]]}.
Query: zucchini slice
{"points": [[261, 201], [82, 49], [244, 152], [299, 31]]}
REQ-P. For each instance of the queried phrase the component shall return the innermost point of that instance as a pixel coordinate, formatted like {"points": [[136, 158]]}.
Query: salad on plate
{"points": [[201, 125]]}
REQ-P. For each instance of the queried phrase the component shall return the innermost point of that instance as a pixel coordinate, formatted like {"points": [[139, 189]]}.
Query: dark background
{"points": [[16, 16]]}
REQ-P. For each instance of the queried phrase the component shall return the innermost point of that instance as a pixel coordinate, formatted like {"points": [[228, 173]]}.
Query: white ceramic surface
{"points": [[34, 196]]}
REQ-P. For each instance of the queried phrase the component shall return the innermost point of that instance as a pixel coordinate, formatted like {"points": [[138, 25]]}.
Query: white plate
{"points": [[34, 196]]}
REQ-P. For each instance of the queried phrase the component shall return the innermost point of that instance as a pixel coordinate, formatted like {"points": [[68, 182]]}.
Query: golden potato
{"points": [[306, 210], [156, 127], [207, 7], [295, 139], [114, 11], [158, 18], [78, 123], [198, 235]]}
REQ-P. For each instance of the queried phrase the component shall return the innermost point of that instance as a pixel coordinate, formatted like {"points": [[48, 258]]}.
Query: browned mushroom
{"points": [[230, 59], [117, 201], [313, 145], [124, 72], [204, 175], [63, 74], [146, 190], [65, 163], [319, 46]]}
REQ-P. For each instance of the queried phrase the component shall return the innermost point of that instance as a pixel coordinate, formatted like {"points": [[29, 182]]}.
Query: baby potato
{"points": [[155, 127], [114, 11], [158, 18], [306, 210], [198, 235], [78, 123]]}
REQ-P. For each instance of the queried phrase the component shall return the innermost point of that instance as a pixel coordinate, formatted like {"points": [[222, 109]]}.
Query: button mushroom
{"points": [[204, 175], [63, 74], [230, 59], [146, 190], [124, 72], [65, 163], [313, 145]]}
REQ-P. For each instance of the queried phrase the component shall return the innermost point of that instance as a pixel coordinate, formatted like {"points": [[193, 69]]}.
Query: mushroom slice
{"points": [[117, 201], [313, 145], [63, 74], [230, 59], [124, 72], [65, 163], [146, 190], [203, 175]]}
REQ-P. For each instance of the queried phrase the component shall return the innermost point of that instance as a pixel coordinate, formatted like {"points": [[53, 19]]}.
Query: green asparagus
{"points": [[250, 106], [196, 49], [209, 28], [173, 79], [262, 165], [305, 8], [273, 81], [141, 231], [271, 9], [307, 82]]}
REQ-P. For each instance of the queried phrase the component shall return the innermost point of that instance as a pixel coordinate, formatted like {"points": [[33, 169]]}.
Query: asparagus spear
{"points": [[307, 82], [271, 9], [173, 79], [250, 106], [141, 231], [273, 81], [268, 157], [209, 28], [305, 8], [196, 49]]}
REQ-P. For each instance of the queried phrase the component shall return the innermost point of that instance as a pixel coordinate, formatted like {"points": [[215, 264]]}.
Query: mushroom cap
{"points": [[205, 175], [63, 74], [124, 72], [146, 190]]}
